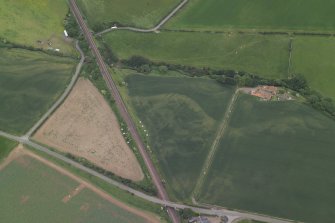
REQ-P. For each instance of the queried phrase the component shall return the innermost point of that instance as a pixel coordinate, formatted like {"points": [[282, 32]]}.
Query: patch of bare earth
{"points": [[85, 125], [24, 199], [73, 193]]}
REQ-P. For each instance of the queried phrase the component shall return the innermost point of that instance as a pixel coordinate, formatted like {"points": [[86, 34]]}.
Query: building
{"points": [[265, 92], [66, 34]]}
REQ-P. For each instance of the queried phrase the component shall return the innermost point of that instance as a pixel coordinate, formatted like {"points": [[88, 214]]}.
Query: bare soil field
{"points": [[19, 154], [85, 126]]}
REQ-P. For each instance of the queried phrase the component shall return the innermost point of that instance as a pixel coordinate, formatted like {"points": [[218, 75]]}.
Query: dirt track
{"points": [[20, 151], [85, 126]]}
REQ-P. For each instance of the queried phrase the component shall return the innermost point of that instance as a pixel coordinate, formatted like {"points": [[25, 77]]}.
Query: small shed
{"points": [[66, 34]]}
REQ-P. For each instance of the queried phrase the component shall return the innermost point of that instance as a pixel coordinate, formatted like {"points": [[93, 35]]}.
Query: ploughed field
{"points": [[276, 158], [180, 116], [269, 15], [41, 191], [85, 126], [265, 56], [144, 13], [30, 82]]}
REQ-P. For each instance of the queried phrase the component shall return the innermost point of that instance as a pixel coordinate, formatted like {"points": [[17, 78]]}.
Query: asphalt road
{"points": [[122, 109], [63, 96], [154, 29], [172, 205]]}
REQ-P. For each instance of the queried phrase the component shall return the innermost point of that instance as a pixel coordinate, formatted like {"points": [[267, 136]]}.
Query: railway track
{"points": [[123, 110]]}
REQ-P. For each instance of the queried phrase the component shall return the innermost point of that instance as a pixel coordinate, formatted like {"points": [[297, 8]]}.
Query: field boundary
{"points": [[290, 58], [21, 151], [254, 32], [213, 149]]}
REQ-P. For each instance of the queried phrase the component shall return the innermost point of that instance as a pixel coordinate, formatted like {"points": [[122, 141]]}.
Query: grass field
{"points": [[263, 55], [181, 116], [5, 147], [277, 159], [313, 57], [38, 193], [27, 21], [29, 83], [144, 13], [304, 15]]}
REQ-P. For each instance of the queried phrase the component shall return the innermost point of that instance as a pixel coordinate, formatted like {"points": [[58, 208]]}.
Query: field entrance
{"points": [[32, 189]]}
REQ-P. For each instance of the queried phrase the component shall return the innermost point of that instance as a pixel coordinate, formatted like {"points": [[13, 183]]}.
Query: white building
{"points": [[66, 34]]}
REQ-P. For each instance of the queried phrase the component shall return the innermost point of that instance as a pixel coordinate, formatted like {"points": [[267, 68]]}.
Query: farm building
{"points": [[265, 92]]}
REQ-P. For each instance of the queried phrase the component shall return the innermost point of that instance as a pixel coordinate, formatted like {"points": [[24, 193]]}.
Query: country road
{"points": [[163, 197], [173, 205], [154, 29], [63, 96], [122, 109]]}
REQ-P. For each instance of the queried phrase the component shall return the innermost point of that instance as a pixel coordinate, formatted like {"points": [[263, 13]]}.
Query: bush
{"points": [[71, 26]]}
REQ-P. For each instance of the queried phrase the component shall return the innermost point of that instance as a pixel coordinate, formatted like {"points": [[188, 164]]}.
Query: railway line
{"points": [[123, 110]]}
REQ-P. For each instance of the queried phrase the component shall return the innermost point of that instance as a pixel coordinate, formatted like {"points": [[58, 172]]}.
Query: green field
{"points": [[263, 55], [313, 57], [5, 147], [302, 15], [181, 115], [29, 84], [27, 21], [144, 13], [277, 158], [37, 191]]}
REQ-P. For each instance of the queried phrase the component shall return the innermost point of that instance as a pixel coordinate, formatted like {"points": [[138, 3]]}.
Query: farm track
{"points": [[214, 146], [123, 110], [63, 96], [154, 29]]}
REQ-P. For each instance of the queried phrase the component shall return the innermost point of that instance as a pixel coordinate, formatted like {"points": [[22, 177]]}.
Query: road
{"points": [[123, 110], [215, 144], [63, 96], [172, 205], [154, 29]]}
